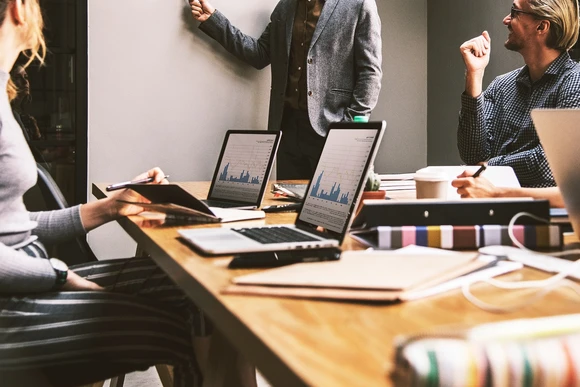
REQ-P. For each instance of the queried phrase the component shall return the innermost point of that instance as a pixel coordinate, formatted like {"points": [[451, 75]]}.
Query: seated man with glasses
{"points": [[495, 125]]}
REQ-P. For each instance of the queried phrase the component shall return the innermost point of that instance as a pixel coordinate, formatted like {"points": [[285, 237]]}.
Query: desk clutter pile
{"points": [[424, 263]]}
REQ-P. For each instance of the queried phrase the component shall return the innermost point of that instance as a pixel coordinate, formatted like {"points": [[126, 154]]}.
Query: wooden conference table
{"points": [[315, 343]]}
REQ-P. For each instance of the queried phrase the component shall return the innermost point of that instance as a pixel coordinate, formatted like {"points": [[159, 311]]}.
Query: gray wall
{"points": [[162, 93], [451, 22], [403, 99]]}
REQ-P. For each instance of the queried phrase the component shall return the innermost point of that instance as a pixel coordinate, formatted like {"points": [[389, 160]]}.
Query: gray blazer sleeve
{"points": [[368, 62], [255, 52], [59, 225]]}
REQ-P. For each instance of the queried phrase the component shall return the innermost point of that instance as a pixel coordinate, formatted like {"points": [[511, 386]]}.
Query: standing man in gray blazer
{"points": [[326, 61]]}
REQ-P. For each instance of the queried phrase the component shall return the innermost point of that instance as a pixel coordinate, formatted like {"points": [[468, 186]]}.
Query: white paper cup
{"points": [[431, 184]]}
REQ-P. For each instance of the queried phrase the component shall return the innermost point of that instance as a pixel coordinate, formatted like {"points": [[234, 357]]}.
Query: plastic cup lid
{"points": [[430, 175]]}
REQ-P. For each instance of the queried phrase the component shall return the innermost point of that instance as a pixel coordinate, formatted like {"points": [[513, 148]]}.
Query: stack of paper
{"points": [[396, 176], [397, 181]]}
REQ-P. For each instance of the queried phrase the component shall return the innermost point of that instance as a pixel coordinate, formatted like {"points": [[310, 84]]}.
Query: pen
{"points": [[124, 184], [480, 170]]}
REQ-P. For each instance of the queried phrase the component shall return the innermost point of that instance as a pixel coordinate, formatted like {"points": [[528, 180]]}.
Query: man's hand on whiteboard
{"points": [[201, 10]]}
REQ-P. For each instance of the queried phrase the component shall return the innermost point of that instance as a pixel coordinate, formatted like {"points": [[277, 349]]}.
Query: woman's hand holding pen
{"points": [[96, 213], [120, 208]]}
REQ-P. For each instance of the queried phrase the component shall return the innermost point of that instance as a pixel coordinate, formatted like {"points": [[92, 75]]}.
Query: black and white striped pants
{"points": [[74, 338]]}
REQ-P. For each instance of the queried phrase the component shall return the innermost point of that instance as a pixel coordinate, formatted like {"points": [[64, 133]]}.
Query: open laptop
{"points": [[243, 169], [559, 132], [329, 205]]}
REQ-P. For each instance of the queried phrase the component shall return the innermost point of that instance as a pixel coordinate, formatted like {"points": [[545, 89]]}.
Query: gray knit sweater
{"points": [[20, 273]]}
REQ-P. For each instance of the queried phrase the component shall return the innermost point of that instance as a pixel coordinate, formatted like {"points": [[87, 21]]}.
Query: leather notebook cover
{"points": [[391, 277], [174, 200]]}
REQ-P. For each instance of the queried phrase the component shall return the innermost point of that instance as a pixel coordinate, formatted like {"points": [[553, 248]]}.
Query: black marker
{"points": [[480, 170], [124, 184]]}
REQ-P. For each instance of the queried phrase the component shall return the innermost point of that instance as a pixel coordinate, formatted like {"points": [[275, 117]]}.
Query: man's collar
{"points": [[553, 69], [558, 63]]}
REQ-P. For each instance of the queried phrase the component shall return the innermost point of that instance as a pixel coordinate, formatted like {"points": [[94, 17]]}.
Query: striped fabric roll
{"points": [[468, 237], [552, 361]]}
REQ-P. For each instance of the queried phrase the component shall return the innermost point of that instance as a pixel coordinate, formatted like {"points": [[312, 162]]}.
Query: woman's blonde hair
{"points": [[35, 37], [564, 21]]}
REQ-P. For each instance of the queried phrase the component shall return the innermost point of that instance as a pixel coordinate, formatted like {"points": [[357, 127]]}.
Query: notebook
{"points": [[178, 204], [243, 169], [366, 276], [327, 210], [560, 135]]}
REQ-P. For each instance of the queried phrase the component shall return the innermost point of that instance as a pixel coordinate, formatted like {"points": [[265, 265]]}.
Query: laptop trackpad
{"points": [[209, 238]]}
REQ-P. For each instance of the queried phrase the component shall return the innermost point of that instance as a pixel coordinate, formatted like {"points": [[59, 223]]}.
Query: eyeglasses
{"points": [[515, 11]]}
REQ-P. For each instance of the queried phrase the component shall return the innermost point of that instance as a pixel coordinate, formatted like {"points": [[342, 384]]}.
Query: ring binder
{"points": [[433, 212]]}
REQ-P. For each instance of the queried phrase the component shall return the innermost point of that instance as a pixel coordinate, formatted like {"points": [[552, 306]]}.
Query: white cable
{"points": [[513, 222], [544, 286], [510, 308], [521, 246]]}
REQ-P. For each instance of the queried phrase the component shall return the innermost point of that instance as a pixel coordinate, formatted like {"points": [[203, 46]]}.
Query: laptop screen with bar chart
{"points": [[243, 168], [339, 178]]}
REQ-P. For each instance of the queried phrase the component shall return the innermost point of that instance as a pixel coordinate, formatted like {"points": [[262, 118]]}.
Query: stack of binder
{"points": [[461, 224]]}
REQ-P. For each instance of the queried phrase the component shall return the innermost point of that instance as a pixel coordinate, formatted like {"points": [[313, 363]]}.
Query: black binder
{"points": [[465, 212]]}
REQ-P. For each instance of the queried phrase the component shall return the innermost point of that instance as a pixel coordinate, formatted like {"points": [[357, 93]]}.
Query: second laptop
{"points": [[243, 169]]}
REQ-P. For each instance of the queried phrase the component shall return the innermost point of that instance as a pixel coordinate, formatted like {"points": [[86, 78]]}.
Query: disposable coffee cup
{"points": [[431, 184]]}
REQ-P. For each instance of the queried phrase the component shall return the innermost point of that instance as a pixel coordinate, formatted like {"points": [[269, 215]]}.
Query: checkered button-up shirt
{"points": [[497, 126]]}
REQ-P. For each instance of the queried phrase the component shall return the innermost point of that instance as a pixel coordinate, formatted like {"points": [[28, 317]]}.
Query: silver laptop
{"points": [[243, 169], [329, 205], [559, 132]]}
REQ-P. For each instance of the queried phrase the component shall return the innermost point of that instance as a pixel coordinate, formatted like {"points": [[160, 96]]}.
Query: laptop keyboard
{"points": [[267, 235]]}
